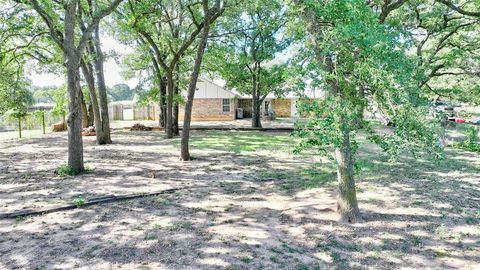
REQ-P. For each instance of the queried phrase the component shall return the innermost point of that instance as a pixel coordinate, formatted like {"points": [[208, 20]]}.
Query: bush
{"points": [[65, 170], [79, 202]]}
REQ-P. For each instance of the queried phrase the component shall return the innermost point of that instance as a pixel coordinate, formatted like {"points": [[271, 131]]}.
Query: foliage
{"points": [[246, 57], [471, 143], [121, 92], [59, 96], [65, 170], [370, 57], [79, 202], [446, 44]]}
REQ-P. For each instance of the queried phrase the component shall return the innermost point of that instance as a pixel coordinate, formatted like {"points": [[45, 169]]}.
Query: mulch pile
{"points": [[140, 127]]}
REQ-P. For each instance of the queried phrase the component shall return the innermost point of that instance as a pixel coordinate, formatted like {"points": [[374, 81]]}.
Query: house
{"points": [[212, 102]]}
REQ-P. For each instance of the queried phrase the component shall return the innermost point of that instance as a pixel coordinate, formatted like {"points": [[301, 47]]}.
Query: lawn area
{"points": [[29, 133], [248, 203]]}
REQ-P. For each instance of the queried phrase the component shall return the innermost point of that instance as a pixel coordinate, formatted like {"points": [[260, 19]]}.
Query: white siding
{"points": [[207, 89]]}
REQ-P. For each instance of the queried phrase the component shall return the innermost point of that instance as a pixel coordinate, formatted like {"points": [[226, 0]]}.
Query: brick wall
{"points": [[210, 109], [282, 107]]}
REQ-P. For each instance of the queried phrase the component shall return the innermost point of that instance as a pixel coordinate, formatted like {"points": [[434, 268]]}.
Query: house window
{"points": [[226, 105]]}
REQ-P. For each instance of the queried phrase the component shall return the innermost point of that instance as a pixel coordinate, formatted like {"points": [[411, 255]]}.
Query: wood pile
{"points": [[89, 131], [140, 127]]}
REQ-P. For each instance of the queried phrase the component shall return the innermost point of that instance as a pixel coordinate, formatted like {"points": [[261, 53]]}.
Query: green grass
{"points": [[318, 175], [34, 133], [241, 142]]}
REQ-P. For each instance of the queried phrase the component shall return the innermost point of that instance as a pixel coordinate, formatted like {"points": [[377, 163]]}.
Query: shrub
{"points": [[79, 202], [65, 170]]}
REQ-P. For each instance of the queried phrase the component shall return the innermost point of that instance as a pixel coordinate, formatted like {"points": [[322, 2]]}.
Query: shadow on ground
{"points": [[261, 209]]}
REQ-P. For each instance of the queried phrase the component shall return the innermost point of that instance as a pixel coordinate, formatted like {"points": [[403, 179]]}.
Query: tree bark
{"points": [[176, 131], [170, 90], [43, 121], [74, 119], [88, 74], [90, 114], [84, 110], [184, 150], [20, 127], [163, 104], [162, 91], [347, 205], [102, 89], [256, 113]]}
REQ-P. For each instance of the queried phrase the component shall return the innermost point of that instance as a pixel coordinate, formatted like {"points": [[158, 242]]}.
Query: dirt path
{"points": [[262, 209]]}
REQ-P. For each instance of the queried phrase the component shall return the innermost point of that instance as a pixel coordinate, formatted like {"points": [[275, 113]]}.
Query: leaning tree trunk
{"points": [[102, 89], [184, 150], [74, 119], [347, 205], [88, 74]]}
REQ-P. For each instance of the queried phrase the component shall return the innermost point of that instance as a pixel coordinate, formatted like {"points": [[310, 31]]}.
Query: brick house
{"points": [[212, 103]]}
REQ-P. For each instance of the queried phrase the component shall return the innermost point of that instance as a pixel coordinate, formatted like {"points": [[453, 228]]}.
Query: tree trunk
{"points": [[170, 86], [163, 105], [347, 205], [64, 121], [84, 110], [87, 73], [43, 122], [19, 127], [90, 114], [102, 90], [176, 131], [184, 150], [256, 115], [74, 120], [256, 112]]}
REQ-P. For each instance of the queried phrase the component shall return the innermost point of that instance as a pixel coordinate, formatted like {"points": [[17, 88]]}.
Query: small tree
{"points": [[245, 56], [17, 115], [350, 49]]}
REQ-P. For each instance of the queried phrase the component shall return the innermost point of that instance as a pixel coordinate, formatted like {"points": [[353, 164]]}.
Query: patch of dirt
{"points": [[418, 214]]}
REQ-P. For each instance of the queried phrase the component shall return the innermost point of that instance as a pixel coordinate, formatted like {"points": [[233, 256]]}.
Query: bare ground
{"points": [[263, 209]]}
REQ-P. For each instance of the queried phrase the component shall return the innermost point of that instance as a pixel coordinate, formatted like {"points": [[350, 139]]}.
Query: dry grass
{"points": [[264, 208]]}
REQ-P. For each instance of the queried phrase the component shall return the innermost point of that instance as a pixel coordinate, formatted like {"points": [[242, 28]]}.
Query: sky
{"points": [[112, 69]]}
